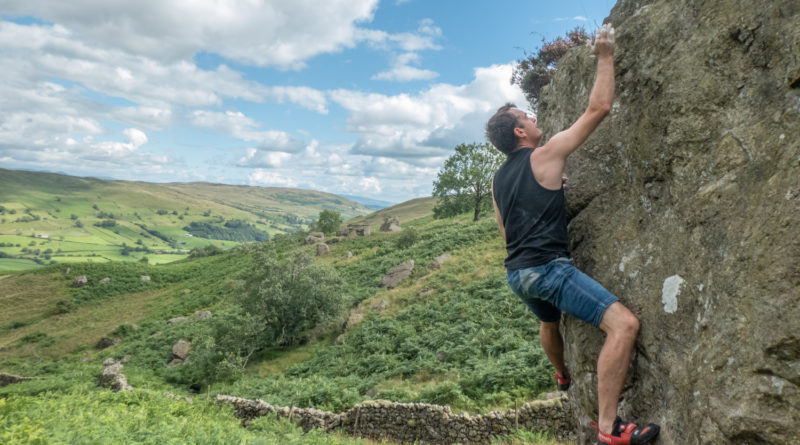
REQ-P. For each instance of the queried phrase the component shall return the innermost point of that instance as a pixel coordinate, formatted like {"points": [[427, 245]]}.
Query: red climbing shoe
{"points": [[563, 384], [623, 433]]}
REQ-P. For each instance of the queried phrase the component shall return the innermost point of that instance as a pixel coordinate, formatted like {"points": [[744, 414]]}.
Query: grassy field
{"points": [[48, 218], [454, 335]]}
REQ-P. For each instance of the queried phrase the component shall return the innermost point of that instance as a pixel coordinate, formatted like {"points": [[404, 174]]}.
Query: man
{"points": [[528, 197]]}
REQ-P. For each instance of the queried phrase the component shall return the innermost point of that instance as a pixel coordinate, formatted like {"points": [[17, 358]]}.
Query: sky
{"points": [[353, 97]]}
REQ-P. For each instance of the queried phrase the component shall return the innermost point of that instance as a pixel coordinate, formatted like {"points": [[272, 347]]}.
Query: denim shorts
{"points": [[559, 286]]}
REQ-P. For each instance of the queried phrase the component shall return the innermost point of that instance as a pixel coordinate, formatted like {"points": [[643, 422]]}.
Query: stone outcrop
{"points": [[390, 224], [105, 280], [355, 230], [80, 281], [419, 422], [323, 249], [181, 350], [315, 237], [685, 203], [144, 278], [112, 377], [397, 274]]}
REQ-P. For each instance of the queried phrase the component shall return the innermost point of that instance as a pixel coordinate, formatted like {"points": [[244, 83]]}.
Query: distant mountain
{"points": [[374, 204], [50, 217]]}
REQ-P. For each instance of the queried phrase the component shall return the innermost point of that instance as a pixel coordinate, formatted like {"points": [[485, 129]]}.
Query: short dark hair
{"points": [[500, 129]]}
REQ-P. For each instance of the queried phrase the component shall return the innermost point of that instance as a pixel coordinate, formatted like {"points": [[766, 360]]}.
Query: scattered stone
{"points": [[323, 249], [181, 349], [176, 320], [80, 281], [105, 280], [145, 278], [333, 240], [202, 315], [112, 378], [355, 230], [106, 342], [125, 358], [397, 274], [315, 237], [437, 262], [348, 255], [109, 361], [186, 291], [174, 362]]}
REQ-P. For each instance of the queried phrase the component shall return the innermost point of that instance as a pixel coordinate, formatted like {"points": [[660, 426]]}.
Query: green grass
{"points": [[454, 336]]}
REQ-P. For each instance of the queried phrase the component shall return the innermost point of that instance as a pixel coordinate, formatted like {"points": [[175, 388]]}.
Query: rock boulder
{"points": [[397, 274], [685, 203]]}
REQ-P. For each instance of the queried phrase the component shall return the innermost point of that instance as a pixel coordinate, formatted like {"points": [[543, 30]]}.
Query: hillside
{"points": [[47, 217], [451, 336]]}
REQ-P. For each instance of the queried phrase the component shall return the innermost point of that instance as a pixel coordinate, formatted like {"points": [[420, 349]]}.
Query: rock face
{"points": [[397, 274], [113, 378], [315, 237], [686, 205], [390, 224], [181, 350]]}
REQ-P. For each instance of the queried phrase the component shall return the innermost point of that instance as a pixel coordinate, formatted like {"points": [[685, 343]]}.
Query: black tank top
{"points": [[534, 217]]}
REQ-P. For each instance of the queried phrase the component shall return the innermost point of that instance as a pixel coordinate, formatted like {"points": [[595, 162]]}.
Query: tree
{"points": [[291, 295], [534, 72], [329, 221], [465, 181]]}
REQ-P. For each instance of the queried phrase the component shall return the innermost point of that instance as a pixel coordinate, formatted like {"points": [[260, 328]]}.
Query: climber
{"points": [[530, 210]]}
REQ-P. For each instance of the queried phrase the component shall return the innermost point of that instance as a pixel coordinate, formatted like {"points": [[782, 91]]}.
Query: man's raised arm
{"points": [[602, 96]]}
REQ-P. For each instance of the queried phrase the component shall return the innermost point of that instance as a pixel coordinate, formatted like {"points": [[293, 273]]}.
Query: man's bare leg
{"points": [[553, 346], [621, 328]]}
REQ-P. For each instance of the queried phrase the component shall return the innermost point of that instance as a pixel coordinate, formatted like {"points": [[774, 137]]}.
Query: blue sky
{"points": [[358, 97]]}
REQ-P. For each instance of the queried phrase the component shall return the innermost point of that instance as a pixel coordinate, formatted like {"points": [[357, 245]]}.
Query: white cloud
{"points": [[270, 33], [236, 124], [370, 185], [425, 127], [577, 17], [262, 177], [402, 71], [266, 159]]}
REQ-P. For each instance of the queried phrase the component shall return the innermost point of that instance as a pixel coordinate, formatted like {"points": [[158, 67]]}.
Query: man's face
{"points": [[531, 134]]}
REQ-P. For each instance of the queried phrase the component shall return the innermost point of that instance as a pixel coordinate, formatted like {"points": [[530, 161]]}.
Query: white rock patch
{"points": [[669, 293]]}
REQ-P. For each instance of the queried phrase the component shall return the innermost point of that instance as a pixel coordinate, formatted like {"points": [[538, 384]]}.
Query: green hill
{"points": [[47, 217], [287, 326]]}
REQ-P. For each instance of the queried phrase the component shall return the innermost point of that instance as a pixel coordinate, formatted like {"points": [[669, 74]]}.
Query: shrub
{"points": [[407, 238]]}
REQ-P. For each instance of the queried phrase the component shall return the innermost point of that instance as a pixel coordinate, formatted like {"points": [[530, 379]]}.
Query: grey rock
{"points": [[390, 224], [80, 281], [684, 203], [397, 274], [176, 320], [8, 379], [105, 280], [380, 305], [109, 361], [112, 378], [181, 349], [323, 249], [202, 315], [348, 255], [144, 278], [354, 319]]}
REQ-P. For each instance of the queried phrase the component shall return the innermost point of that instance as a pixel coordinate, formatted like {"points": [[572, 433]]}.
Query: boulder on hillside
{"points": [[315, 237], [105, 280], [390, 224], [323, 249], [202, 315], [685, 204], [181, 349], [355, 230], [176, 320], [397, 274], [144, 278], [112, 378], [80, 281]]}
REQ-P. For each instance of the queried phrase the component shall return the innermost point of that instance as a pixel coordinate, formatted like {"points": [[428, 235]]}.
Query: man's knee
{"points": [[619, 320]]}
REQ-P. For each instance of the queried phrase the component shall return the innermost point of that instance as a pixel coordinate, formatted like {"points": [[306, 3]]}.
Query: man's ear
{"points": [[519, 132]]}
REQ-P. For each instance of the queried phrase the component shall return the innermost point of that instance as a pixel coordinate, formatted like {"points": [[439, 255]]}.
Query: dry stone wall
{"points": [[419, 422]]}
